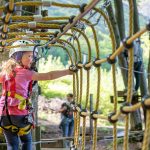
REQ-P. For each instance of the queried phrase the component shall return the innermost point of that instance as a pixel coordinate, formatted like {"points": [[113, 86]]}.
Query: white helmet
{"points": [[21, 46]]}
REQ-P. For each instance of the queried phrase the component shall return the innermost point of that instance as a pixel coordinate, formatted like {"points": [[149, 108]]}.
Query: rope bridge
{"points": [[61, 35]]}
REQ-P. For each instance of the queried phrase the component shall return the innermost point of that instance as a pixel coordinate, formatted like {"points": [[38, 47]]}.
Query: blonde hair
{"points": [[9, 66]]}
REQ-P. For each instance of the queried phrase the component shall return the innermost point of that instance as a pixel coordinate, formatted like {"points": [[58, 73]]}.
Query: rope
{"points": [[130, 74], [147, 132], [87, 41], [76, 113], [73, 48]]}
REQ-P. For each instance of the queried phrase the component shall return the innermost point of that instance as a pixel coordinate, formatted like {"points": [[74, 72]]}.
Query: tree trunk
{"points": [[122, 60], [120, 18], [143, 81]]}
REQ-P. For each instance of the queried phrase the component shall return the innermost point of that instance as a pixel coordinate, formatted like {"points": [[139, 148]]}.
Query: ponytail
{"points": [[9, 66]]}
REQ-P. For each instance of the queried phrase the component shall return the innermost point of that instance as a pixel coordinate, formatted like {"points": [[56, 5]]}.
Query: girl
{"points": [[15, 111]]}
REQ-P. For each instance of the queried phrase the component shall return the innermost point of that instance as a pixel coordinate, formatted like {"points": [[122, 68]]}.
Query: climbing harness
{"points": [[23, 104]]}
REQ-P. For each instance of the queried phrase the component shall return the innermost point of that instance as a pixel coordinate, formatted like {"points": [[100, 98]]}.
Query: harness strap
{"points": [[20, 131]]}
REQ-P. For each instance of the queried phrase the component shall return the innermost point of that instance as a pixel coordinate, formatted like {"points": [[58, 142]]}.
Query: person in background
{"points": [[67, 122], [138, 54]]}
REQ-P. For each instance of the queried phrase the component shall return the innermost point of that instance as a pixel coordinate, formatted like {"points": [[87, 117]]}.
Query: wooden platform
{"points": [[122, 97]]}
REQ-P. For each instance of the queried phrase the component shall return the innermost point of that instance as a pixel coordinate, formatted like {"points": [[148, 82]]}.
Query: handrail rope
{"points": [[76, 96], [146, 132], [37, 3], [76, 113], [89, 59], [115, 94], [74, 93], [113, 71], [98, 89], [87, 41], [84, 117], [56, 45], [130, 76], [31, 38], [71, 45], [146, 142], [38, 25], [80, 93], [87, 90], [77, 123], [115, 106]]}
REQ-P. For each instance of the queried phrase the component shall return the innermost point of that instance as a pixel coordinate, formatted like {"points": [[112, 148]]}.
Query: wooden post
{"points": [[38, 137], [91, 110]]}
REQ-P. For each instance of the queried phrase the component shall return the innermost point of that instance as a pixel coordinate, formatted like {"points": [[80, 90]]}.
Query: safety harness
{"points": [[23, 104], [68, 112]]}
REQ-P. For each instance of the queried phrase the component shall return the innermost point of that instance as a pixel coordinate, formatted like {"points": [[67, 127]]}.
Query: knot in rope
{"points": [[9, 9], [111, 61], [93, 113], [71, 19], [73, 68], [79, 65], [123, 110], [87, 65], [84, 113], [82, 7], [146, 102], [126, 44], [6, 21], [62, 27], [95, 63], [110, 118]]}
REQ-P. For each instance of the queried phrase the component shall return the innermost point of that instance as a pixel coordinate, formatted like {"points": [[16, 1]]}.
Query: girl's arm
{"points": [[50, 75]]}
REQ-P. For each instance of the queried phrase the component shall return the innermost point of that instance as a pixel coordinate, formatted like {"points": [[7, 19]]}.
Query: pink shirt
{"points": [[22, 79]]}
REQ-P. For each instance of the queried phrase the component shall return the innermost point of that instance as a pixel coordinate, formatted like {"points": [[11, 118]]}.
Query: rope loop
{"points": [[96, 64], [82, 7], [93, 113], [148, 26], [145, 103], [6, 21], [56, 33], [110, 118], [4, 36], [71, 19], [8, 10], [73, 68], [111, 61], [78, 108], [125, 44], [83, 113], [62, 27], [3, 43], [5, 31], [87, 65], [79, 65], [123, 111]]}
